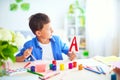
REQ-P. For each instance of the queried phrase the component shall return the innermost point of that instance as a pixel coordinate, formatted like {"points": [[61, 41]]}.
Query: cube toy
{"points": [[32, 68], [40, 67], [54, 62], [62, 67], [74, 64], [70, 65], [80, 67]]}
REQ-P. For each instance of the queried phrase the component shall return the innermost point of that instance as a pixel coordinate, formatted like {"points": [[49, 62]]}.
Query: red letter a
{"points": [[74, 43]]}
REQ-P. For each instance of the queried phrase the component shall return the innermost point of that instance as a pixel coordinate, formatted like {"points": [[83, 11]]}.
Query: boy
{"points": [[44, 46]]}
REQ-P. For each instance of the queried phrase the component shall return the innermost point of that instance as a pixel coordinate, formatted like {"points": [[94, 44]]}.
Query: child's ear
{"points": [[38, 33]]}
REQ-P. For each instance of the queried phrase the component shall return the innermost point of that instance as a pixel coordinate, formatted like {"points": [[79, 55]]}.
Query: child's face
{"points": [[46, 32]]}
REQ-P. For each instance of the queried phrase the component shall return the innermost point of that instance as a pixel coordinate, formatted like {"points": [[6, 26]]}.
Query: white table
{"points": [[67, 74]]}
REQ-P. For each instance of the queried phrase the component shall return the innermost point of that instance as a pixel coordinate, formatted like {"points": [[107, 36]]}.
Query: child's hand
{"points": [[72, 55], [117, 71], [27, 52]]}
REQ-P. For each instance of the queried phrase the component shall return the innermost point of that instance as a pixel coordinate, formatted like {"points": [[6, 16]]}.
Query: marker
{"points": [[92, 70], [35, 73], [100, 69], [41, 78], [27, 64], [52, 75]]}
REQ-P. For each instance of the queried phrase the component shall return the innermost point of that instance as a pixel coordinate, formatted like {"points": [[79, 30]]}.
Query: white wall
{"points": [[18, 20], [118, 21], [102, 27]]}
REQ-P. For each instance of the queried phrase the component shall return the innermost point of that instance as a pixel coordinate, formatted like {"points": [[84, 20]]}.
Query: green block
{"points": [[86, 53]]}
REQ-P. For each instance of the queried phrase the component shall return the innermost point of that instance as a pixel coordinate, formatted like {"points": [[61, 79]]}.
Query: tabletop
{"points": [[65, 74]]}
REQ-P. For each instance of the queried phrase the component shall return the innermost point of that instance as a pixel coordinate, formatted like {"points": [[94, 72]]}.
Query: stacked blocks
{"points": [[53, 66]]}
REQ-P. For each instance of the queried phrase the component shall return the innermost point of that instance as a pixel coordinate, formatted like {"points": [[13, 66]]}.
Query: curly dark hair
{"points": [[37, 21]]}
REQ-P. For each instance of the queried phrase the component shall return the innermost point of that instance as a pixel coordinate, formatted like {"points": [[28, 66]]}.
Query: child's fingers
{"points": [[27, 52], [72, 56]]}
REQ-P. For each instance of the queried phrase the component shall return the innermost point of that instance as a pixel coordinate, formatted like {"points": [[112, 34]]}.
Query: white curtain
{"points": [[102, 29]]}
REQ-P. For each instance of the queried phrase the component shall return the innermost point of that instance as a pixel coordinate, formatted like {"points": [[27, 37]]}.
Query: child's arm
{"points": [[25, 55]]}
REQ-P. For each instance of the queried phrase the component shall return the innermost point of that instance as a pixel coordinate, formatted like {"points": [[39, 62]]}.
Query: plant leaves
{"points": [[3, 44], [10, 50], [7, 50], [25, 6], [18, 1], [12, 57], [1, 62], [3, 56], [13, 7]]}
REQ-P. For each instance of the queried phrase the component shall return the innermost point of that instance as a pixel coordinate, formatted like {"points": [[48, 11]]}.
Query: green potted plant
{"points": [[9, 45], [7, 51]]}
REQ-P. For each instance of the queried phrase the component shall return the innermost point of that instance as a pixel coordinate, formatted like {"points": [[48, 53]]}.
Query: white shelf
{"points": [[73, 28]]}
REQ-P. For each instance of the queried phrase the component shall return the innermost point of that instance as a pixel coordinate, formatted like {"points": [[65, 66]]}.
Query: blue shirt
{"points": [[58, 47]]}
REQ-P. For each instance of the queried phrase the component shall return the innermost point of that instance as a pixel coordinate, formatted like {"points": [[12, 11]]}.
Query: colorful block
{"points": [[62, 67], [40, 68]]}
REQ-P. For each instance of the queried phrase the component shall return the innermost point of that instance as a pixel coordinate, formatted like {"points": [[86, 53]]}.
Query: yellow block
{"points": [[62, 67]]}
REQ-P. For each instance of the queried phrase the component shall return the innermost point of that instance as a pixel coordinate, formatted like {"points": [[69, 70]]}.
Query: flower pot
{"points": [[3, 70]]}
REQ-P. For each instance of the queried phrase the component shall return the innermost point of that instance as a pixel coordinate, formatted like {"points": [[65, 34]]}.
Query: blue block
{"points": [[113, 77]]}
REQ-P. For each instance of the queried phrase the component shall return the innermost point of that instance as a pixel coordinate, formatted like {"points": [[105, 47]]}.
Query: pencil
{"points": [[89, 69], [102, 70], [41, 78], [27, 64], [51, 76]]}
